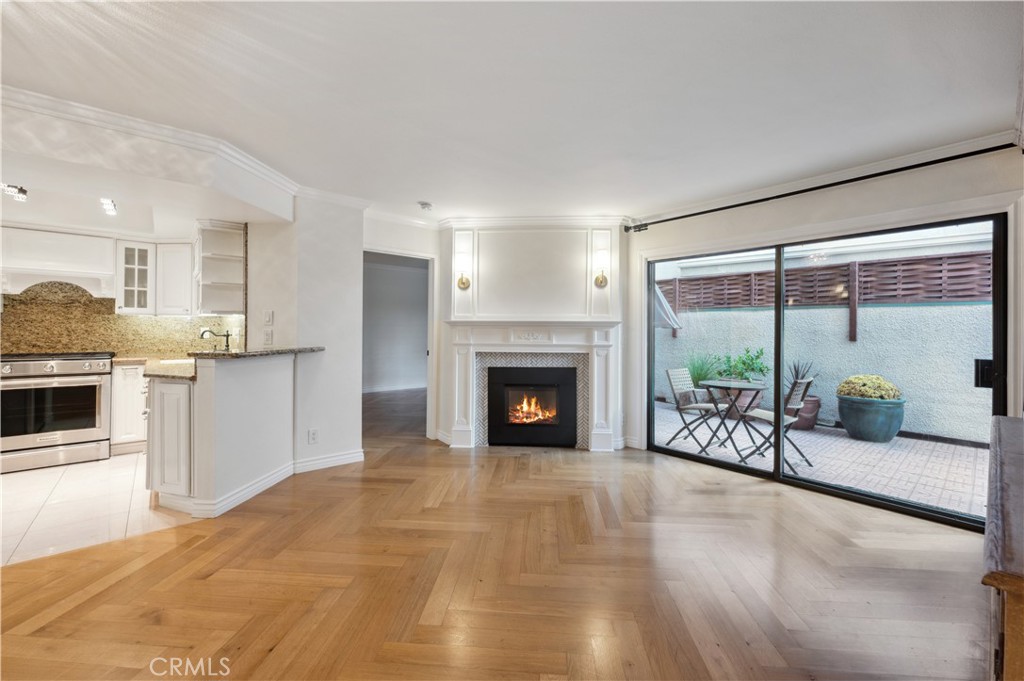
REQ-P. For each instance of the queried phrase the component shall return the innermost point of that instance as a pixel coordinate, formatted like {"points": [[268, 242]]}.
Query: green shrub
{"points": [[870, 386], [703, 367], [745, 365]]}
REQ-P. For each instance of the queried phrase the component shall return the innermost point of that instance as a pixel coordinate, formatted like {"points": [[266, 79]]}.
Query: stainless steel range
{"points": [[54, 409]]}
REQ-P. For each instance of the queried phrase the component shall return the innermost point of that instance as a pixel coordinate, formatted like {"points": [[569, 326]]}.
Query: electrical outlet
{"points": [[268, 337], [313, 436], [268, 317]]}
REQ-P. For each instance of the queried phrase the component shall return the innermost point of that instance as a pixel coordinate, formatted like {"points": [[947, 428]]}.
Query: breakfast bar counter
{"points": [[221, 426]]}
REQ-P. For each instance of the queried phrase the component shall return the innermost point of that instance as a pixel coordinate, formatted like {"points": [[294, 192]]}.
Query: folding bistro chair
{"points": [[794, 402], [681, 383]]}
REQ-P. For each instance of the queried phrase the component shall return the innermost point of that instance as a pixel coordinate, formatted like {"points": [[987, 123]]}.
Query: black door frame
{"points": [[1000, 231]]}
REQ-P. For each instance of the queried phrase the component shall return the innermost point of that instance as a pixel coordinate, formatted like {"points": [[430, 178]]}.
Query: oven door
{"points": [[46, 412]]}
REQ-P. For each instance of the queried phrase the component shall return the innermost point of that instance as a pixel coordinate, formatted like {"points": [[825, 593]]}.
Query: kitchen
{"points": [[100, 332]]}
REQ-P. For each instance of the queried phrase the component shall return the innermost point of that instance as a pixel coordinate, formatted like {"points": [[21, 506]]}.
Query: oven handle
{"points": [[55, 382]]}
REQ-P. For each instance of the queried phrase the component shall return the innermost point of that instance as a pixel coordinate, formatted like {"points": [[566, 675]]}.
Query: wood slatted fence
{"points": [[958, 277]]}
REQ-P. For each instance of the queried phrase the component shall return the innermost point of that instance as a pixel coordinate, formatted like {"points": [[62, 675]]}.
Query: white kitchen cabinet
{"points": [[174, 279], [136, 264], [127, 406], [169, 457], [220, 268]]}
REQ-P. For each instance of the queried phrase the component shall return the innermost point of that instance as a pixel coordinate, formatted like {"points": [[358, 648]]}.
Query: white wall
{"points": [[968, 187], [272, 284], [395, 299], [329, 295]]}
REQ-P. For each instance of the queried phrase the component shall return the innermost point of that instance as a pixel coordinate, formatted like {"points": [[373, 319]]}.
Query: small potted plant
{"points": [[870, 408], [749, 366], [702, 367], [807, 416]]}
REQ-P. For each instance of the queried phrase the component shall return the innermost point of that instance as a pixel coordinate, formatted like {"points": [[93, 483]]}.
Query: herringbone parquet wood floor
{"points": [[426, 562]]}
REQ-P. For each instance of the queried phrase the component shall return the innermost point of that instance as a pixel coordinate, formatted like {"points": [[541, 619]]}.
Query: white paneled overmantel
{"points": [[534, 269], [597, 341]]}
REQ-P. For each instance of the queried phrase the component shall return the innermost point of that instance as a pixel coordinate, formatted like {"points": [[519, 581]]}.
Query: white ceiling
{"points": [[501, 109]]}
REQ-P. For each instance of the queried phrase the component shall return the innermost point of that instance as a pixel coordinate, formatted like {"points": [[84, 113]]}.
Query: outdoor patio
{"points": [[951, 477]]}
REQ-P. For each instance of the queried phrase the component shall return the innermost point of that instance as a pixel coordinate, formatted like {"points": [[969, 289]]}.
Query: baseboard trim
{"points": [[632, 443], [444, 437], [327, 461], [619, 443], [202, 508], [392, 388]]}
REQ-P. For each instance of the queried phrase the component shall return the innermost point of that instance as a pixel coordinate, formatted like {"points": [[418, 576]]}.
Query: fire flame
{"points": [[530, 411]]}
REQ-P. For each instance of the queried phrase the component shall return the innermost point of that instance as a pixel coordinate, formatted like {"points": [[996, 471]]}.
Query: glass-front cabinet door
{"points": [[135, 277]]}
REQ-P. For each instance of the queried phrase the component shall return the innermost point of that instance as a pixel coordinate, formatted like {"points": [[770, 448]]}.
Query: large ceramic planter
{"points": [[871, 420]]}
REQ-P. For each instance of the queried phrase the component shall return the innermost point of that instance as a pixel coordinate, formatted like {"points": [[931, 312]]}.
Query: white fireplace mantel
{"points": [[598, 339]]}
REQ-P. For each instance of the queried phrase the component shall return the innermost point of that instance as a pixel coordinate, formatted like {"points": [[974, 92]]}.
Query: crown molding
{"points": [[35, 102], [607, 221], [332, 197], [400, 219], [896, 163]]}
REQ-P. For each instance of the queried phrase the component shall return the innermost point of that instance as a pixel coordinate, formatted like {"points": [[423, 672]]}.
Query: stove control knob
{"points": [[6, 369], [101, 365], [49, 368], [87, 366]]}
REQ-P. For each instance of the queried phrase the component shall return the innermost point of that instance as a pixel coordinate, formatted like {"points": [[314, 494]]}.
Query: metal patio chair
{"points": [[794, 402], [681, 384]]}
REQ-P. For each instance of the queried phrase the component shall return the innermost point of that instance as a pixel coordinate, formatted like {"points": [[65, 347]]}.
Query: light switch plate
{"points": [[268, 337], [268, 317]]}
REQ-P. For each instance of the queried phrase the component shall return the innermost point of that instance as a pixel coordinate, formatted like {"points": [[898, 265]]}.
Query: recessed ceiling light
{"points": [[108, 206], [18, 193]]}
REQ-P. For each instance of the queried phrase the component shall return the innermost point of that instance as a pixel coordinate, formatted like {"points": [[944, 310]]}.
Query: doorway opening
{"points": [[396, 344]]}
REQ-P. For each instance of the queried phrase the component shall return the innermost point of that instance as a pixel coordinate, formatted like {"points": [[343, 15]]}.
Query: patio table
{"points": [[730, 402]]}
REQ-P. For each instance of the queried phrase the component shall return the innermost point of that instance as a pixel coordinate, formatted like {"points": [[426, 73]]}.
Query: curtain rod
{"points": [[641, 227]]}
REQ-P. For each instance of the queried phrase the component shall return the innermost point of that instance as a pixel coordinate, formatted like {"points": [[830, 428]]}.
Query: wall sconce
{"points": [[601, 280], [462, 282]]}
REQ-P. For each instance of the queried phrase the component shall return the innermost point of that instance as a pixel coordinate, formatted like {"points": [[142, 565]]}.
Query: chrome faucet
{"points": [[226, 336]]}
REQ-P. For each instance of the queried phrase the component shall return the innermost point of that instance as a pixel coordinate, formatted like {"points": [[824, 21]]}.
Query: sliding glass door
{"points": [[891, 365], [887, 332], [712, 350]]}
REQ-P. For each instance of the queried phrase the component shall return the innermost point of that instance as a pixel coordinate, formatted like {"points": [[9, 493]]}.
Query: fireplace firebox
{"points": [[531, 406]]}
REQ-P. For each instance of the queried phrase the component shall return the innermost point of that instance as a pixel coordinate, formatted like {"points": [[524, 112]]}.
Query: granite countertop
{"points": [[129, 360], [173, 368], [234, 354]]}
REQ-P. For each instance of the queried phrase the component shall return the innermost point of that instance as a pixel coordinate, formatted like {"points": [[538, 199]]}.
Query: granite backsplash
{"points": [[62, 317]]}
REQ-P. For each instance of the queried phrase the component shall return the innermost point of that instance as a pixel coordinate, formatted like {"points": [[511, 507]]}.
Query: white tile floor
{"points": [[52, 510]]}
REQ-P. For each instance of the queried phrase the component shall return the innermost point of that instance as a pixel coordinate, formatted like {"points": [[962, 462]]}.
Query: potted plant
{"points": [[702, 367], [807, 416], [748, 366], [870, 408]]}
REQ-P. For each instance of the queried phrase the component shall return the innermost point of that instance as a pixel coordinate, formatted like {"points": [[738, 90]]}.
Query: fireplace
{"points": [[531, 406]]}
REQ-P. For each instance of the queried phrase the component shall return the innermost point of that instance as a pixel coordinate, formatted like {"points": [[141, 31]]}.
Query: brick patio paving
{"points": [[951, 477]]}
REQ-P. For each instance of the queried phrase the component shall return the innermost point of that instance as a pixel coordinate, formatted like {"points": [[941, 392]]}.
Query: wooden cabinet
{"points": [[154, 278], [174, 279], [220, 268], [136, 263], [169, 459], [127, 409]]}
